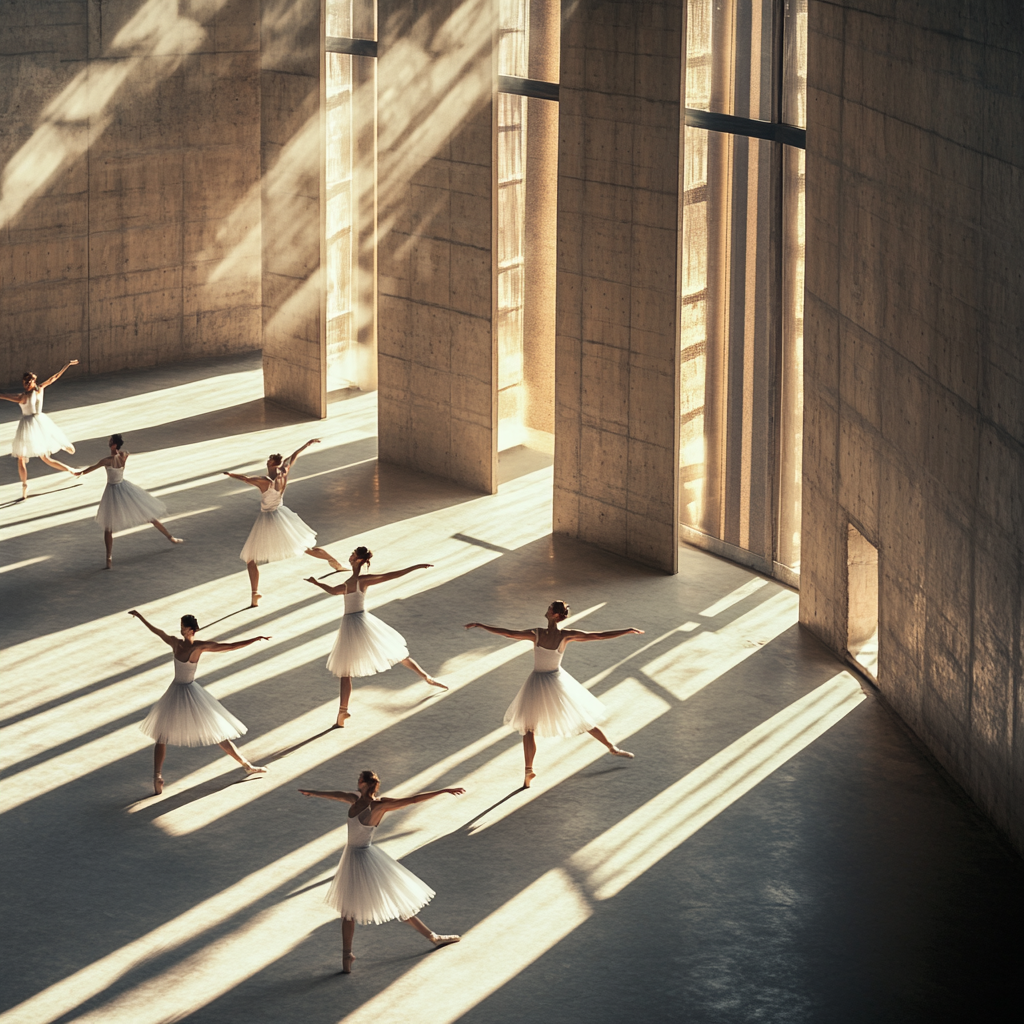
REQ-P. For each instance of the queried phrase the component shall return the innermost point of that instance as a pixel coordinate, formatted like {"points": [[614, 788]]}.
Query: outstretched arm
{"points": [[383, 577], [608, 634], [512, 634], [254, 480], [216, 648], [334, 591], [149, 625], [298, 451], [395, 803], [17, 399], [345, 798], [102, 462], [47, 383]]}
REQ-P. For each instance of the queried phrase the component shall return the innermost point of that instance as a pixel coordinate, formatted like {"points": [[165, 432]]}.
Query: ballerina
{"points": [[364, 645], [186, 715], [278, 532], [370, 887], [37, 434], [551, 702], [124, 504]]}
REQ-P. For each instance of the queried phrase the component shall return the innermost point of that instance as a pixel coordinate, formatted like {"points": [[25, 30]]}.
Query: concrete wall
{"points": [[617, 361], [914, 386], [292, 85], [129, 136], [437, 352]]}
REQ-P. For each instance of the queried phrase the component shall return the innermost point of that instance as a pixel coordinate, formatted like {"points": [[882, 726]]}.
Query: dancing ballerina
{"points": [[278, 532], [124, 504], [364, 645], [551, 702], [37, 434], [186, 715], [370, 887]]}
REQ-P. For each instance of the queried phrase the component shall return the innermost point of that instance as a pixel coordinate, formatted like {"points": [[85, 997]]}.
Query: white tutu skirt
{"points": [[277, 535], [370, 887], [125, 504], [38, 435], [187, 716], [365, 646], [554, 704]]}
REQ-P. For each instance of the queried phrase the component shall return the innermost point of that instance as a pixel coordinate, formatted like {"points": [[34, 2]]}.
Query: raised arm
{"points": [[149, 625], [215, 648], [334, 591], [345, 798], [512, 634], [387, 803], [57, 375], [608, 634], [382, 577], [298, 451]]}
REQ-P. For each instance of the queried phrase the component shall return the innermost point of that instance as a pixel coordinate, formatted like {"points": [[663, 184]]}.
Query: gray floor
{"points": [[778, 851]]}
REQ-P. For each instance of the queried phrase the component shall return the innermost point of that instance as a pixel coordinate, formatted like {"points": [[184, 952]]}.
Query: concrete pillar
{"points": [[292, 83], [617, 362], [437, 357]]}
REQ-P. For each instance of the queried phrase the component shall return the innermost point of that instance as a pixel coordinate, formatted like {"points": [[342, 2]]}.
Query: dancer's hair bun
{"points": [[275, 459], [561, 609], [27, 376], [371, 779], [190, 622], [118, 440], [364, 553]]}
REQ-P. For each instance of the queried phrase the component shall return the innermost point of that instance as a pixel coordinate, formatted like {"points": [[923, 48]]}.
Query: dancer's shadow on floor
{"points": [[237, 611], [285, 751], [188, 796], [40, 494], [483, 814]]}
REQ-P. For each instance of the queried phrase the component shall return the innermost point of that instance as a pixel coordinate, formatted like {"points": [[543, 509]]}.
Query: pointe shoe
{"points": [[109, 560], [530, 776], [343, 713], [431, 681], [347, 956], [256, 595], [158, 783], [255, 769], [618, 752], [177, 540], [444, 940]]}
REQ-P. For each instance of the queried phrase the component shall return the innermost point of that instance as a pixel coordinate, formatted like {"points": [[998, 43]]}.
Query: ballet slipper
{"points": [[256, 595], [530, 776], [177, 540], [158, 783], [343, 713], [618, 752], [255, 769], [431, 681], [109, 561], [347, 956], [444, 940]]}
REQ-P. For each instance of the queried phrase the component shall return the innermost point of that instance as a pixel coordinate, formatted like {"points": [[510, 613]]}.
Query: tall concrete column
{"points": [[292, 84], [617, 361], [437, 351]]}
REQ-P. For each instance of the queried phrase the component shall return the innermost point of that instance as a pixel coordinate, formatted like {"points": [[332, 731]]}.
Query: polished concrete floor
{"points": [[780, 849]]}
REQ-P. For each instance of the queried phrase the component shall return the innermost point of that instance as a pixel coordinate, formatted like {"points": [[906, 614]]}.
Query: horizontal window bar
{"points": [[528, 87], [772, 131], [356, 47]]}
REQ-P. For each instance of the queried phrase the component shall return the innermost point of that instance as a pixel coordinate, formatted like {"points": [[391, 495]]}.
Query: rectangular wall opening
{"points": [[862, 604]]}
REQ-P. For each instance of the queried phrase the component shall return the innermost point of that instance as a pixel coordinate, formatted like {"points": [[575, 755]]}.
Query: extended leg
{"points": [[437, 940], [348, 931], [163, 529], [612, 749], [56, 464], [159, 753], [425, 676], [23, 474], [108, 540], [327, 557], [254, 582], [229, 748], [529, 753], [344, 696]]}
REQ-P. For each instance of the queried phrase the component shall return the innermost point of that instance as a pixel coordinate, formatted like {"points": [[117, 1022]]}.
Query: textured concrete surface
{"points": [[914, 389], [617, 349], [129, 141], [778, 851], [437, 217]]}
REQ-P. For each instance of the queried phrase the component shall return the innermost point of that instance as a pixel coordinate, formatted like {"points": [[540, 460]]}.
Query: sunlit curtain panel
{"points": [[742, 263], [513, 42]]}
